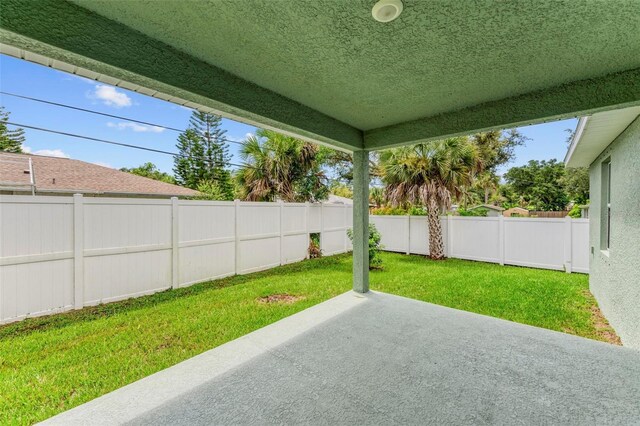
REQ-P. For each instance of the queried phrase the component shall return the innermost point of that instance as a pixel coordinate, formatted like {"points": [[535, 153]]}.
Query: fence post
{"points": [[281, 204], [78, 251], [408, 228], [321, 227], [175, 244], [345, 221], [501, 239], [306, 224], [568, 243], [449, 236], [236, 234]]}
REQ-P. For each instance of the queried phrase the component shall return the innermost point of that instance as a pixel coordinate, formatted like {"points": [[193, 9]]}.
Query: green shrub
{"points": [[375, 260], [575, 212], [474, 212], [314, 246]]}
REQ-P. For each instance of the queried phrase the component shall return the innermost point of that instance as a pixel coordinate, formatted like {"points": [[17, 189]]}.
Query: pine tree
{"points": [[11, 140], [204, 154]]}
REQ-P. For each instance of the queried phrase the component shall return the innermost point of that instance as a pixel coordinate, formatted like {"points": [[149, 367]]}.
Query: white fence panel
{"points": [[258, 236], [295, 237], [206, 234], [60, 253], [394, 231], [36, 252], [333, 234], [475, 238], [127, 248], [419, 235], [580, 245], [537, 243], [315, 218]]}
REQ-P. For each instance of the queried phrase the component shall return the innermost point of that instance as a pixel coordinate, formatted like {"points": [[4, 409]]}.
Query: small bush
{"points": [[375, 260], [575, 212], [314, 246]]}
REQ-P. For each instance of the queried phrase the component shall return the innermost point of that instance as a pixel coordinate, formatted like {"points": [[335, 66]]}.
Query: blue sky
{"points": [[28, 79]]}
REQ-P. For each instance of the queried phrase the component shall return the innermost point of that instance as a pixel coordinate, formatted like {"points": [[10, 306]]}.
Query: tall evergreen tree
{"points": [[11, 140], [204, 154]]}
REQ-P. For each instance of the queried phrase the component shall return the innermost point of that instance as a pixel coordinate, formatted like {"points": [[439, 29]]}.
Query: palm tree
{"points": [[488, 183], [277, 166], [430, 174]]}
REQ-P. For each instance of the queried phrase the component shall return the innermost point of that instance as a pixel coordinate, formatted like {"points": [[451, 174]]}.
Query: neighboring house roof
{"points": [[62, 175], [336, 199], [596, 132], [487, 206]]}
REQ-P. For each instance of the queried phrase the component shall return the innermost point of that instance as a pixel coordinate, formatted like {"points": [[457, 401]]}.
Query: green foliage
{"points": [[11, 140], [282, 167], [211, 190], [204, 154], [575, 212], [479, 212], [375, 248], [149, 170], [314, 246], [412, 210], [376, 196], [539, 185], [576, 184], [341, 189]]}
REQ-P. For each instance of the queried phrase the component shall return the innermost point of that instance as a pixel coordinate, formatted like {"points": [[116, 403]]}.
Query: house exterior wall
{"points": [[615, 273]]}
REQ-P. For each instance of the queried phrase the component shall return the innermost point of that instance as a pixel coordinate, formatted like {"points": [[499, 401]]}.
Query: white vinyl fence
{"points": [[561, 244], [61, 253]]}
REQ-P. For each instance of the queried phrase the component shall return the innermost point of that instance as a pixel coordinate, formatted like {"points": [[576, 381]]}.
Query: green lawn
{"points": [[50, 364]]}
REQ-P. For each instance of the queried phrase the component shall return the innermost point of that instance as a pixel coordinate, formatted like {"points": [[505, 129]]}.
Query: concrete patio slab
{"points": [[383, 359]]}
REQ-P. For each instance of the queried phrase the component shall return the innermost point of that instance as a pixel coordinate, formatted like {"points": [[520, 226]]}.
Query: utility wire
{"points": [[119, 117], [126, 145]]}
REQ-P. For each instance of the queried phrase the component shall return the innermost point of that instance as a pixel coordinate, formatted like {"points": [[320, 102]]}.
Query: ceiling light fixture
{"points": [[387, 10]]}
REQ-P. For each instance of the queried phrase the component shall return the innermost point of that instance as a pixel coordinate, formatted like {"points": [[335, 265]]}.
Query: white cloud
{"points": [[136, 127], [47, 152], [103, 164], [110, 96]]}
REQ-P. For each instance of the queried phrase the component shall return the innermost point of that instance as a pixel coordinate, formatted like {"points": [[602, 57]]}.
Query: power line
{"points": [[146, 123], [126, 145], [119, 117]]}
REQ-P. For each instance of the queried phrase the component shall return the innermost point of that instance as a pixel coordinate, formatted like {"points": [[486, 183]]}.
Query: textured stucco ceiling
{"points": [[324, 69], [438, 56]]}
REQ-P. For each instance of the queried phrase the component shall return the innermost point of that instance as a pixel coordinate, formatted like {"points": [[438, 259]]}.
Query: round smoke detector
{"points": [[387, 10]]}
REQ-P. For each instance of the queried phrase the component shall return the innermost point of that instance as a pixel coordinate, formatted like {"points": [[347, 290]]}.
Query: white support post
{"points": [[408, 229], [501, 239], [307, 212], [568, 267], [237, 236], [449, 235], [78, 251], [281, 231], [175, 244]]}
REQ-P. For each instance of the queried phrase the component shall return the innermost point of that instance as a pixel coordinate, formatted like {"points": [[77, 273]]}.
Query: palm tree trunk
{"points": [[436, 245], [486, 195]]}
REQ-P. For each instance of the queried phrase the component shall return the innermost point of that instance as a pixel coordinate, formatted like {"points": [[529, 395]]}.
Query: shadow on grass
{"points": [[61, 320]]}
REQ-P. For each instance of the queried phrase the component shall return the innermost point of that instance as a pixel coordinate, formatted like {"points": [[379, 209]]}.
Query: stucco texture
{"points": [[615, 276], [326, 70]]}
